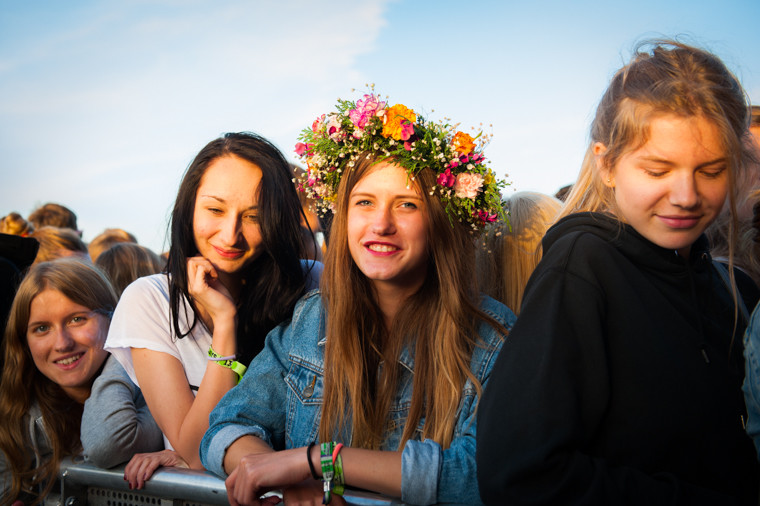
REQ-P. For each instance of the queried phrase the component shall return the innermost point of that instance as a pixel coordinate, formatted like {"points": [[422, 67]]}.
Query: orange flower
{"points": [[463, 143], [398, 122]]}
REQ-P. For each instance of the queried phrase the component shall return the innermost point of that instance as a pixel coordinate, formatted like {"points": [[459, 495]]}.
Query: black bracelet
{"points": [[308, 458]]}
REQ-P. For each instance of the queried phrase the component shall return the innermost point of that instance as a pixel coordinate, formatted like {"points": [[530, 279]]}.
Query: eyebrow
{"points": [[397, 196], [222, 201], [664, 161]]}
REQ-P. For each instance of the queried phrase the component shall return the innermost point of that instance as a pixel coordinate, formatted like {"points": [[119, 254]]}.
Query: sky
{"points": [[103, 104]]}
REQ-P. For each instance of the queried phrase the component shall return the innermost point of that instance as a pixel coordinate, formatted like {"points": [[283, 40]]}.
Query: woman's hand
{"points": [[207, 290], [259, 473], [142, 466]]}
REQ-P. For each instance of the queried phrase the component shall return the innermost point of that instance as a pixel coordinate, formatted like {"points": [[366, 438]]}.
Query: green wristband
{"points": [[328, 472], [227, 362]]}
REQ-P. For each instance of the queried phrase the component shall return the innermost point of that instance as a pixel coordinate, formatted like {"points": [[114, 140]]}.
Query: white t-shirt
{"points": [[142, 319]]}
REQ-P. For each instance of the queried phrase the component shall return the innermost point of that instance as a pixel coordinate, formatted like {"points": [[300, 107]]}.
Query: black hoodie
{"points": [[620, 382]]}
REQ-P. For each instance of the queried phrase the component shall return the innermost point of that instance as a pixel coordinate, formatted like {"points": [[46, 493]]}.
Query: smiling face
{"points": [[66, 342], [225, 219], [387, 230], [671, 188]]}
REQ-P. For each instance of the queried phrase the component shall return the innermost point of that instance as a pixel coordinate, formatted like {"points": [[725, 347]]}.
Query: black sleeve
{"points": [[546, 400]]}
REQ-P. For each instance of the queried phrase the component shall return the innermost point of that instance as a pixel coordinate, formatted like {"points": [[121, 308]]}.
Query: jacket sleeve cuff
{"points": [[420, 468], [213, 457]]}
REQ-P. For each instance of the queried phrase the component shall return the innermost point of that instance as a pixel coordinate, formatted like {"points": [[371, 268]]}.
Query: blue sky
{"points": [[103, 104]]}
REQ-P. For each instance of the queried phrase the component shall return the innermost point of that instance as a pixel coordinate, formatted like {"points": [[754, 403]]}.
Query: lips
{"points": [[680, 222], [229, 254], [69, 361], [381, 248]]}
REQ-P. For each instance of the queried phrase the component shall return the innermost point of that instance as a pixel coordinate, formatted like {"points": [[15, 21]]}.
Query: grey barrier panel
{"points": [[83, 483]]}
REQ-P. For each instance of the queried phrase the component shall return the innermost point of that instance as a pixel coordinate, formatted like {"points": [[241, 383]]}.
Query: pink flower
{"points": [[301, 148], [407, 145], [478, 158], [407, 130], [333, 128], [365, 109], [468, 185], [318, 124], [454, 164], [446, 178], [484, 217]]}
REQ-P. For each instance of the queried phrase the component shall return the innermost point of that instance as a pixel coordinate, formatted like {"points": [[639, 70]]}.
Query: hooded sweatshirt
{"points": [[620, 382]]}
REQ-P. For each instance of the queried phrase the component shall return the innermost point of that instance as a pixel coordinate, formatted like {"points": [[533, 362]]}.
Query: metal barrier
{"points": [[82, 483]]}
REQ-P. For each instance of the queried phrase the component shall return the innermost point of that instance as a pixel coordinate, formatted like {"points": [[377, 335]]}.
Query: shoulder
{"points": [[156, 285], [490, 339], [312, 269], [308, 306]]}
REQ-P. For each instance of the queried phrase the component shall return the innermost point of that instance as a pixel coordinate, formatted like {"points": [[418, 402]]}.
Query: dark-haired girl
{"points": [[234, 272]]}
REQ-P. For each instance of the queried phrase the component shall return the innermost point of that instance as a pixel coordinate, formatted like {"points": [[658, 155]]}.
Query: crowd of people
{"points": [[391, 319]]}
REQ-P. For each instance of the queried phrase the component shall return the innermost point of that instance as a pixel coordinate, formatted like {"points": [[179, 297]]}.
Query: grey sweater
{"points": [[116, 422]]}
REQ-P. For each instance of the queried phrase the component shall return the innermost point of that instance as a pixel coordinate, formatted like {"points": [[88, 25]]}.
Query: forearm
{"points": [[379, 471], [217, 381], [243, 446]]}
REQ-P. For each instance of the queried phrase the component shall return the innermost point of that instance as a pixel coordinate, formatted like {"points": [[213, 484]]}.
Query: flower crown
{"points": [[467, 188]]}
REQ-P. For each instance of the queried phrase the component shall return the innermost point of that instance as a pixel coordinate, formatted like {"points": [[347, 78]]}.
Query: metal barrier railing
{"points": [[84, 484]]}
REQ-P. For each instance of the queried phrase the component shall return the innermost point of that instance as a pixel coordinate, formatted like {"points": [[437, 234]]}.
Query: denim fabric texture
{"points": [[751, 385], [280, 399]]}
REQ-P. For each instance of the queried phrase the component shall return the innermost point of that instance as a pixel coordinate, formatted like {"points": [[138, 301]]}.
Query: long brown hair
{"points": [[22, 384], [438, 323]]}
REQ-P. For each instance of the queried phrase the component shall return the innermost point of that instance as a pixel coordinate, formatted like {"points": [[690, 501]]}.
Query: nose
{"points": [[230, 230], [684, 192], [63, 341], [382, 221]]}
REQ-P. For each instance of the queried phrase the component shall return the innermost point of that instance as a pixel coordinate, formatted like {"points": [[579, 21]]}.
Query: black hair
{"points": [[274, 280]]}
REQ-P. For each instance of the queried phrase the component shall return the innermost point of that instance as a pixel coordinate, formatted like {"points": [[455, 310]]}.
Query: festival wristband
{"points": [[328, 471], [338, 478], [228, 362]]}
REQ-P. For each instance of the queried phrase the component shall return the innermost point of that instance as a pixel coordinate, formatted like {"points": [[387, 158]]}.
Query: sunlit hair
{"points": [[125, 262], [53, 215], [511, 251], [439, 323], [56, 242], [274, 280], [665, 77], [108, 238], [22, 384], [15, 224]]}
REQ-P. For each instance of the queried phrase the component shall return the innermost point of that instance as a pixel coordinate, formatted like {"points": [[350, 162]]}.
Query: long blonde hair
{"points": [[22, 384], [669, 78], [512, 250], [438, 323]]}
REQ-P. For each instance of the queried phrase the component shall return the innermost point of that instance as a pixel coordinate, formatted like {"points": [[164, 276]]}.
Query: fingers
{"points": [[142, 466], [199, 272]]}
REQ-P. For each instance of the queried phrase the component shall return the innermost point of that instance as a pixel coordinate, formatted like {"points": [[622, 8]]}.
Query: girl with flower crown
{"points": [[234, 272], [621, 379], [375, 381]]}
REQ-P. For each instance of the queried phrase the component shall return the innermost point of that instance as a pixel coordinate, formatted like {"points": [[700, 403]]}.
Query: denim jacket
{"points": [[280, 397]]}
